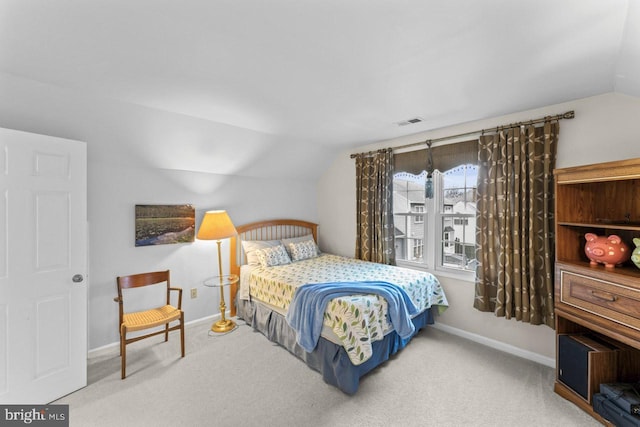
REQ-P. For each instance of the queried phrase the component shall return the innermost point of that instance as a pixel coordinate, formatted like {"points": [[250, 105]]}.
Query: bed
{"points": [[357, 329]]}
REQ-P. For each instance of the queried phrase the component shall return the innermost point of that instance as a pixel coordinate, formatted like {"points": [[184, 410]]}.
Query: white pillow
{"points": [[270, 257], [287, 242], [303, 250], [251, 246], [297, 239]]}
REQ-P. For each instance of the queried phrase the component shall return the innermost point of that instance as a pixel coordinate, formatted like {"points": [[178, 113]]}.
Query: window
{"points": [[418, 247], [459, 221], [419, 209], [436, 233], [409, 216]]}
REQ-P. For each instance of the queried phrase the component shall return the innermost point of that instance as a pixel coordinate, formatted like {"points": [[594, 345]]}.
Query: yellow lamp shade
{"points": [[216, 225]]}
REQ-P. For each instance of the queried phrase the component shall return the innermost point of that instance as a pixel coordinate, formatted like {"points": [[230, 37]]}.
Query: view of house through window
{"points": [[439, 232]]}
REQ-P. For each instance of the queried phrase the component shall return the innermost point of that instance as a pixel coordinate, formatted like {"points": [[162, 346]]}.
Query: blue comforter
{"points": [[306, 311]]}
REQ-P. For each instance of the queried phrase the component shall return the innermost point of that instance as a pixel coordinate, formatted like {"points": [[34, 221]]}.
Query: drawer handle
{"points": [[605, 297]]}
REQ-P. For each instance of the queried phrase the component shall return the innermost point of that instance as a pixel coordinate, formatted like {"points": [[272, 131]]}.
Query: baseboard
{"points": [[109, 348], [498, 345]]}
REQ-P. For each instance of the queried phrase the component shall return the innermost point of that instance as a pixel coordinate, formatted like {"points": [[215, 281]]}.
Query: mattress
{"points": [[355, 321]]}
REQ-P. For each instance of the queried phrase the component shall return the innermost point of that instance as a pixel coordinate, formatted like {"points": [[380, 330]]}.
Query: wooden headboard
{"points": [[274, 229]]}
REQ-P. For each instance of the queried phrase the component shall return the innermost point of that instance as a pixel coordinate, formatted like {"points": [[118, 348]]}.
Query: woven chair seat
{"points": [[146, 319], [149, 318]]}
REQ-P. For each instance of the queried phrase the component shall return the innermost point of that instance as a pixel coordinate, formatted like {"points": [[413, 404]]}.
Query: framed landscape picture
{"points": [[165, 224]]}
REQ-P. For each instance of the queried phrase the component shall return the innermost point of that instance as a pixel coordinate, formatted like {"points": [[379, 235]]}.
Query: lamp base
{"points": [[223, 326]]}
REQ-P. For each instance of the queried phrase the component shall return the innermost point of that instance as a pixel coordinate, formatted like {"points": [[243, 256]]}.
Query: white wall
{"points": [[604, 130], [113, 193], [128, 166]]}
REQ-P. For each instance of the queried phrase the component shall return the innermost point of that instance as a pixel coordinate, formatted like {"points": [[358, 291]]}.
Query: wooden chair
{"points": [[140, 320]]}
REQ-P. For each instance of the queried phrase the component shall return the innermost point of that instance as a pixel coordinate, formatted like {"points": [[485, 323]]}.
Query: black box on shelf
{"points": [[585, 362]]}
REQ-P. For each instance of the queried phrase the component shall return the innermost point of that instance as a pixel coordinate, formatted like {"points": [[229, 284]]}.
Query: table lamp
{"points": [[216, 225]]}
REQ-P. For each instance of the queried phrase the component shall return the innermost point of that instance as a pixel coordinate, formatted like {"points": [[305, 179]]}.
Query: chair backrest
{"points": [[143, 279]]}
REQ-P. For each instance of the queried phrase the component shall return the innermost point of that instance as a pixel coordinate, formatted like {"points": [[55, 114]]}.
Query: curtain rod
{"points": [[568, 115]]}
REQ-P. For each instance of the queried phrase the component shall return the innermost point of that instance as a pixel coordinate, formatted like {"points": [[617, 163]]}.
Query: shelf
{"points": [[627, 270], [571, 396], [609, 226], [603, 199]]}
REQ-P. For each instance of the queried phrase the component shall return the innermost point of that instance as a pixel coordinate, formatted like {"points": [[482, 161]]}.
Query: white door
{"points": [[43, 263]]}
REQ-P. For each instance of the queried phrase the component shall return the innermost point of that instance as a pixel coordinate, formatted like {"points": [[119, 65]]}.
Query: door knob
{"points": [[77, 278]]}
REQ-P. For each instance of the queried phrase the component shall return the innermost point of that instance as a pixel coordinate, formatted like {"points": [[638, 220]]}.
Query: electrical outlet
{"points": [[194, 292]]}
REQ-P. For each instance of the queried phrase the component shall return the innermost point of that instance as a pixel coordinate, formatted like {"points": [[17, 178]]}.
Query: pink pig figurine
{"points": [[610, 251]]}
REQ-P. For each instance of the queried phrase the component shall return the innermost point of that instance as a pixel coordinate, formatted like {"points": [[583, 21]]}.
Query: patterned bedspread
{"points": [[357, 320]]}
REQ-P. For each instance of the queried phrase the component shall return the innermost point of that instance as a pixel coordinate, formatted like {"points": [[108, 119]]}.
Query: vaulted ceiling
{"points": [[334, 73]]}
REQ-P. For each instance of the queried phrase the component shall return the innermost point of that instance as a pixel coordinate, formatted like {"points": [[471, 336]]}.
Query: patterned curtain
{"points": [[515, 225], [375, 230]]}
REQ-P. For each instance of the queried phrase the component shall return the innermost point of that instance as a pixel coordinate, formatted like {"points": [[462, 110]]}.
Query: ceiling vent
{"points": [[410, 121]]}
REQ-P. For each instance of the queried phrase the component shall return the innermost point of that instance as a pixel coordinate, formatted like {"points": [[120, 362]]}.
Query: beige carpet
{"points": [[241, 379]]}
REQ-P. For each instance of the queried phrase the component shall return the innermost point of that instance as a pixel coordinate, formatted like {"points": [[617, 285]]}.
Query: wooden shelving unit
{"points": [[603, 199]]}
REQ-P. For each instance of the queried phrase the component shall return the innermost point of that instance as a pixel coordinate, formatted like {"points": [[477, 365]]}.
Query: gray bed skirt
{"points": [[330, 359]]}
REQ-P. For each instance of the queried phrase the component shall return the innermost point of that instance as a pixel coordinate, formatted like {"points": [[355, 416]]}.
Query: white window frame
{"points": [[432, 249]]}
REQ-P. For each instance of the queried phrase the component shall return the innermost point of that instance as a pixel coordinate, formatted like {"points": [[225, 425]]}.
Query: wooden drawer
{"points": [[608, 300]]}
